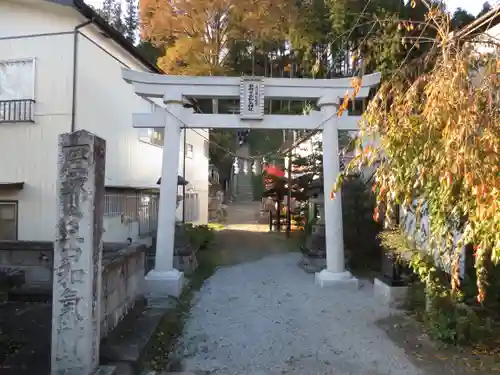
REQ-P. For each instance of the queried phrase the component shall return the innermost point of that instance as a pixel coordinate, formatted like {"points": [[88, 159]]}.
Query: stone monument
{"points": [[78, 255], [184, 252], [314, 252]]}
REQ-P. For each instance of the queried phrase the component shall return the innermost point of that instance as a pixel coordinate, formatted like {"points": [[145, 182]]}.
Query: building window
{"points": [[17, 79], [17, 90], [154, 136], [121, 203], [206, 149], [8, 221], [192, 206], [157, 136], [189, 150]]}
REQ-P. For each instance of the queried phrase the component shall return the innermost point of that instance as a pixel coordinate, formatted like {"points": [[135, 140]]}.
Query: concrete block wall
{"points": [[33, 258], [122, 278], [122, 274]]}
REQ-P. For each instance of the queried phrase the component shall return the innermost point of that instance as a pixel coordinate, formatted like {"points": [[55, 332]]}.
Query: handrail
{"points": [[17, 110]]}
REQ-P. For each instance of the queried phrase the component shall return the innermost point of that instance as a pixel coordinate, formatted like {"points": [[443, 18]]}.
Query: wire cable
{"points": [[312, 132], [228, 151], [486, 18]]}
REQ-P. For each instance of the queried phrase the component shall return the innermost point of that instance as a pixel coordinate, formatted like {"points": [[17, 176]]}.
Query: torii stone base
{"points": [[162, 284], [342, 280]]}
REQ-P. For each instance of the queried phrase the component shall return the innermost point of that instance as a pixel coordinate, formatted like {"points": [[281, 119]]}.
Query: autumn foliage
{"points": [[196, 34], [435, 135]]}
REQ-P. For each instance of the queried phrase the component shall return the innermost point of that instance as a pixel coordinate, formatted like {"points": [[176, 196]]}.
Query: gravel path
{"points": [[268, 318]]}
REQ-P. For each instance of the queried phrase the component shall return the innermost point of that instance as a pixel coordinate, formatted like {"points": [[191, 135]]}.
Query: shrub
{"points": [[200, 236], [442, 310]]}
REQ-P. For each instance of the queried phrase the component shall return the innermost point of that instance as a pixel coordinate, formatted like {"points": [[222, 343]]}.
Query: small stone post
{"points": [[321, 211], [78, 254]]}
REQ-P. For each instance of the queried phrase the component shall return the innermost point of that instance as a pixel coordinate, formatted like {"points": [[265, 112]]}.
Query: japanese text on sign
{"points": [[251, 97]]}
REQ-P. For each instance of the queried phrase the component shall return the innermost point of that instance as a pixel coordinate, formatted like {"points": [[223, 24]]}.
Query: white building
{"points": [[60, 71], [485, 31]]}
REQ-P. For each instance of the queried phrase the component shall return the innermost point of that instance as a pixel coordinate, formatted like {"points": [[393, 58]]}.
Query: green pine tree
{"points": [[131, 20], [107, 10], [117, 18], [461, 18], [486, 8], [151, 52]]}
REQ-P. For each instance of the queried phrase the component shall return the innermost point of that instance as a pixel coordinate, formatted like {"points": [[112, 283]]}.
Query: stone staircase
{"points": [[243, 191]]}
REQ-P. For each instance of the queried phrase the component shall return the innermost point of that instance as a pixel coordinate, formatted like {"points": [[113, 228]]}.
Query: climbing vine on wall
{"points": [[435, 138]]}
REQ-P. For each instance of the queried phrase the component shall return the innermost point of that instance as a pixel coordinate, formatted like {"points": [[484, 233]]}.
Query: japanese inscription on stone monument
{"points": [[78, 254]]}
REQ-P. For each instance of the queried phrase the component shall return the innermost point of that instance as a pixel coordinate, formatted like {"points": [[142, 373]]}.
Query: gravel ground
{"points": [[268, 318]]}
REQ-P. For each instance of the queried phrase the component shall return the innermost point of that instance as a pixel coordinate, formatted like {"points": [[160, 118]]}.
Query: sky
{"points": [[472, 6]]}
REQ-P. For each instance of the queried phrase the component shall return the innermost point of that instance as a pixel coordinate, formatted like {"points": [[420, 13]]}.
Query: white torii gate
{"points": [[164, 280]]}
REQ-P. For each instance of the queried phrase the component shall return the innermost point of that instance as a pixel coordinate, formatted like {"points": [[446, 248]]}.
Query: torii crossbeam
{"points": [[164, 280]]}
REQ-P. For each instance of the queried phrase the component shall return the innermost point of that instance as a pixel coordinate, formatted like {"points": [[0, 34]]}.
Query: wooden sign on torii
{"points": [[164, 279]]}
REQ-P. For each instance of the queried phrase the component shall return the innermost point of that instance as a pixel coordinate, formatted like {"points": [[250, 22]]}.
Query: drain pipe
{"points": [[75, 67], [184, 176]]}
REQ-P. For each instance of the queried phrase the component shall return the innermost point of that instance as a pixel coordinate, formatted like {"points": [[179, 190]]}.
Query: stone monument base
{"points": [[186, 264], [326, 279], [313, 254], [388, 293], [312, 265], [161, 284], [312, 261]]}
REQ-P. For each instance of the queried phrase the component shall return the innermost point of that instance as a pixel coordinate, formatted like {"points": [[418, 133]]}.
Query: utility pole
{"points": [[288, 206], [184, 176], [289, 142]]}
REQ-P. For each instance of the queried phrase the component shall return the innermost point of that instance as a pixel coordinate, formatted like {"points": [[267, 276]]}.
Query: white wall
{"points": [[38, 17], [105, 104], [493, 35], [118, 230], [196, 171], [28, 152]]}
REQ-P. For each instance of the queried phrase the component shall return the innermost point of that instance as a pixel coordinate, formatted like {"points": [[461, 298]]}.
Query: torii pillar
{"points": [[335, 273], [164, 280]]}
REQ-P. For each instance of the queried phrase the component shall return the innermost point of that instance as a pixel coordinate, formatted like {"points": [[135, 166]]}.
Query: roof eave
{"points": [[89, 13]]}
